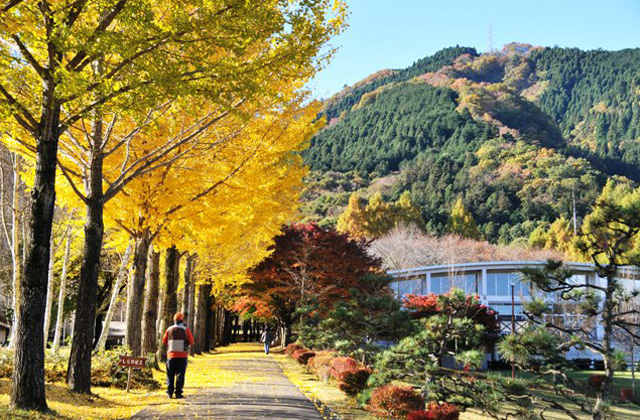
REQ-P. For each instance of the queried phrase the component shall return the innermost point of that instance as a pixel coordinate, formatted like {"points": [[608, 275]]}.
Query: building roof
{"points": [[502, 265]]}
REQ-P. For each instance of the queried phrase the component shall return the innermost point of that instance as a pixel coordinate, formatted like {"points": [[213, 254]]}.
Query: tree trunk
{"points": [[63, 285], [79, 373], [133, 335], [192, 295], [200, 320], [47, 309], [186, 296], [170, 306], [27, 390], [603, 393], [208, 325], [15, 248], [122, 271], [150, 312]]}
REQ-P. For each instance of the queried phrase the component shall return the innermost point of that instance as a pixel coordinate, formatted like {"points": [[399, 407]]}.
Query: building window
{"points": [[499, 284], [441, 284], [409, 287]]}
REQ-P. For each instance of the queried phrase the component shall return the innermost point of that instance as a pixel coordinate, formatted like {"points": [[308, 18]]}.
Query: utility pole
{"points": [[575, 217], [513, 325]]}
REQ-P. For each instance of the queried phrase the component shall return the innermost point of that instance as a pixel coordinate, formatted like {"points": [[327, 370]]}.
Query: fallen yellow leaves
{"points": [[204, 371]]}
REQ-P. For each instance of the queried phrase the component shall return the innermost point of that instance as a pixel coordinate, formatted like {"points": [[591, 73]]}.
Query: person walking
{"points": [[266, 338], [177, 339]]}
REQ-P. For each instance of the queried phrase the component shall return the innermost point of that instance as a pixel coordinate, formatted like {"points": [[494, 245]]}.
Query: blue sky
{"points": [[394, 34]]}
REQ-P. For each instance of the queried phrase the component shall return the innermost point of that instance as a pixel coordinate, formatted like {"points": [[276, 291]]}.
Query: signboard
{"points": [[132, 363]]}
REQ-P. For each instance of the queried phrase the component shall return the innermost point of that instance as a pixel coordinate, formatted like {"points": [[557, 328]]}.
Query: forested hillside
{"points": [[523, 136]]}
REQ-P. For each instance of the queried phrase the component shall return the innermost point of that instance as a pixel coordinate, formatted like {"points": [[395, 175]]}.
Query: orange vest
{"points": [[177, 338]]}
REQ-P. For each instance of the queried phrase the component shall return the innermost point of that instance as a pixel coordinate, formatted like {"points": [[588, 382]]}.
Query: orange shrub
{"points": [[392, 401], [291, 348], [303, 355], [436, 412], [351, 375]]}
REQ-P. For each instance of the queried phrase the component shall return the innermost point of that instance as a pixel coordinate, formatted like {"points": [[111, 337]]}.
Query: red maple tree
{"points": [[308, 263]]}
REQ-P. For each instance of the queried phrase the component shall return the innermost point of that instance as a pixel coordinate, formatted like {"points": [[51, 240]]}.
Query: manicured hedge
{"points": [[303, 355], [392, 401], [351, 375], [436, 412]]}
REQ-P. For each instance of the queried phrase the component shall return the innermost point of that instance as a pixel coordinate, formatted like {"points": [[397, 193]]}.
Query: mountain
{"points": [[519, 134]]}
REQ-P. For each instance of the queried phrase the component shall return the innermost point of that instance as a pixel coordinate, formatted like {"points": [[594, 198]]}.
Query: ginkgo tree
{"points": [[66, 61], [227, 200]]}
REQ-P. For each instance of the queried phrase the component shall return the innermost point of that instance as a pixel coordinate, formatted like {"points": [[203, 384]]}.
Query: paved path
{"points": [[260, 391]]}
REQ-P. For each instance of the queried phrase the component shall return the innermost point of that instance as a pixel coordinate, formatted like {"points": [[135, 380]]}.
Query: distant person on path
{"points": [[177, 338], [267, 338]]}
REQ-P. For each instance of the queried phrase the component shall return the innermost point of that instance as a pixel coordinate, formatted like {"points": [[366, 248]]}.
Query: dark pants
{"points": [[176, 369]]}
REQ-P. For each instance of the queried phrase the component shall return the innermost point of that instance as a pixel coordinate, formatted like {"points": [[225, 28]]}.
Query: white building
{"points": [[492, 281]]}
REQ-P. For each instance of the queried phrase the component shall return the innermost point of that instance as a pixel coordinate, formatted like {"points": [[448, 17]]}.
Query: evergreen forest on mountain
{"points": [[524, 136]]}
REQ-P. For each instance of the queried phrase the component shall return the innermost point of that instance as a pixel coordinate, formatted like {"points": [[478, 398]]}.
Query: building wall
{"points": [[491, 281]]}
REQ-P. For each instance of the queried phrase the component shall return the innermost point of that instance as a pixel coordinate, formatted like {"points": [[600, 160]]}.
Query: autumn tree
{"points": [[461, 221], [377, 217], [353, 219], [307, 261]]}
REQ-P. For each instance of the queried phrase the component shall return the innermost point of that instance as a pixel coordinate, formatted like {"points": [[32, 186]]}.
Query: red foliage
{"points": [[595, 381], [291, 348], [394, 401], [351, 374], [626, 394], [307, 260], [436, 412], [303, 356], [431, 304]]}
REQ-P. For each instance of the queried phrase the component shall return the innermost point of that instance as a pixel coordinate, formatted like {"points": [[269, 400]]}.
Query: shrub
{"points": [[320, 364], [392, 401], [6, 363], [55, 368], [291, 348], [351, 375], [105, 371], [436, 412], [303, 355]]}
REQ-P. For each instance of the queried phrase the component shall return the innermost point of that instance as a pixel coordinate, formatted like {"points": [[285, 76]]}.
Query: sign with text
{"points": [[133, 362]]}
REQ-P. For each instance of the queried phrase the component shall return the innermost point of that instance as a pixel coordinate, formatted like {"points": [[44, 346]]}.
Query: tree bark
{"points": [[200, 320], [192, 297], [170, 306], [28, 390], [133, 335], [15, 247], [186, 296], [208, 325], [150, 312], [79, 372], [61, 295], [49, 305], [122, 271]]}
